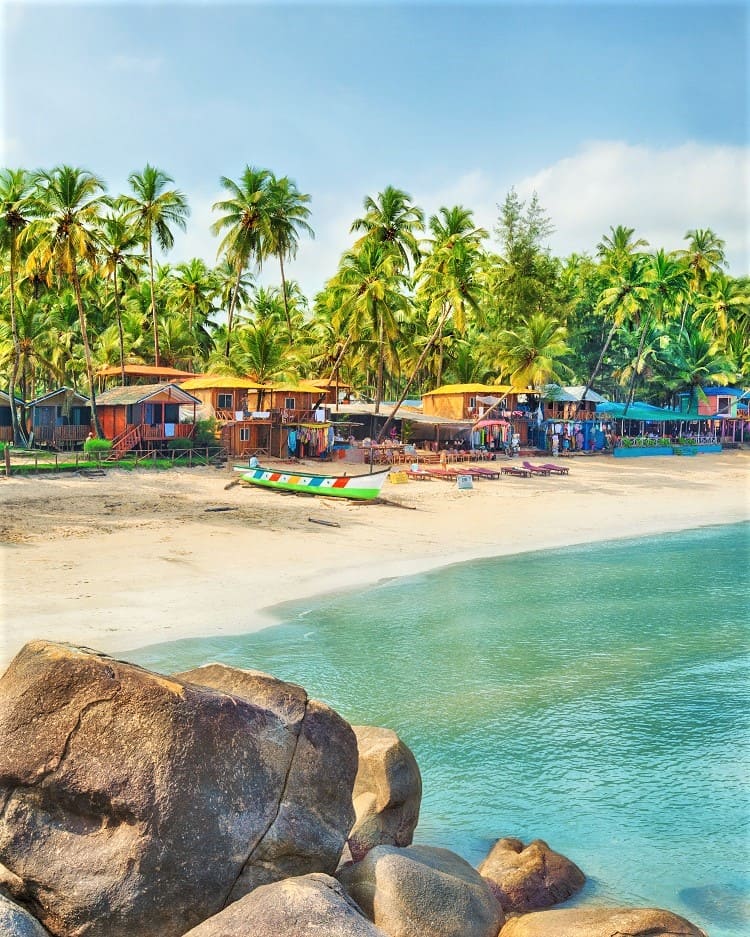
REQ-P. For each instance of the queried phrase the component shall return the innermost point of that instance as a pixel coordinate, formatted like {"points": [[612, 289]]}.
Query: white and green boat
{"points": [[359, 487]]}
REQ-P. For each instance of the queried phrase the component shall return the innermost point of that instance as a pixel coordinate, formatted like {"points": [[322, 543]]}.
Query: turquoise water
{"points": [[595, 697]]}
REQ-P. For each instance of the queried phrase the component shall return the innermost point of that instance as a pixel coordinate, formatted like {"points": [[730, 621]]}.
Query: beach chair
{"points": [[513, 470], [444, 474], [482, 472], [419, 476], [556, 469], [536, 469]]}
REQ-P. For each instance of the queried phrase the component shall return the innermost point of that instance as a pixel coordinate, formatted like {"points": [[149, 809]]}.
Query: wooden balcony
{"points": [[60, 437], [158, 431]]}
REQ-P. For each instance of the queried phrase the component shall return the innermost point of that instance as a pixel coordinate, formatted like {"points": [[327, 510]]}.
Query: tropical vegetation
{"points": [[416, 301]]}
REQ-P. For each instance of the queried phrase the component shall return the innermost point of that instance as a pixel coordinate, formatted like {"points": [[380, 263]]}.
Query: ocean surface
{"points": [[596, 697]]}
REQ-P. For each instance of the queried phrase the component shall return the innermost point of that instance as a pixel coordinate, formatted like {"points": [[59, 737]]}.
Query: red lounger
{"points": [[483, 472], [511, 470], [445, 475], [556, 469], [537, 469]]}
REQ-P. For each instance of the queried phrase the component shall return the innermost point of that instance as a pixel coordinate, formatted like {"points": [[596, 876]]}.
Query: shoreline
{"points": [[136, 559]]}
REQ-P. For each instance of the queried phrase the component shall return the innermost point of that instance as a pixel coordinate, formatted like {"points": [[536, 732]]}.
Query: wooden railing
{"points": [[60, 435], [159, 431]]}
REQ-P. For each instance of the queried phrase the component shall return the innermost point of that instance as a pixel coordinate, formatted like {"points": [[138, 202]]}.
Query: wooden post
{"points": [[7, 461]]}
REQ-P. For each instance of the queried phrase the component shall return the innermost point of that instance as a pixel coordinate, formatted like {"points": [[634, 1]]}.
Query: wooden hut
{"points": [[60, 419], [6, 419], [462, 401], [236, 404], [336, 391], [144, 416], [141, 374], [295, 403], [567, 403]]}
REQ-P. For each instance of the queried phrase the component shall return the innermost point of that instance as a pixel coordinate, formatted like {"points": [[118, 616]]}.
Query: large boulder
{"points": [[295, 907], [601, 922], [422, 891], [17, 922], [387, 792], [527, 878], [137, 804]]}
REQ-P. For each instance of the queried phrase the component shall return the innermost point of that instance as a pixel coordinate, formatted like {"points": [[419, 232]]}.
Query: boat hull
{"points": [[357, 487]]}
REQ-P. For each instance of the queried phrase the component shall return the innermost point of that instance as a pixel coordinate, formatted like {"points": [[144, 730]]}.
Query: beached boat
{"points": [[358, 487]]}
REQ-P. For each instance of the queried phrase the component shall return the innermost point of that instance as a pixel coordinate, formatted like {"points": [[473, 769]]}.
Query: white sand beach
{"points": [[135, 558]]}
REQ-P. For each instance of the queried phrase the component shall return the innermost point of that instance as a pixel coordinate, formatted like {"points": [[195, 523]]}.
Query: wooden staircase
{"points": [[125, 441]]}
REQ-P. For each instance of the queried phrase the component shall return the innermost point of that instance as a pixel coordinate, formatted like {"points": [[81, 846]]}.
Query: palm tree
{"points": [[192, 290], [530, 354], [722, 300], [16, 209], [153, 208], [64, 241], [616, 248], [704, 256], [371, 290], [244, 223], [666, 280], [120, 245], [695, 359], [287, 217], [391, 219]]}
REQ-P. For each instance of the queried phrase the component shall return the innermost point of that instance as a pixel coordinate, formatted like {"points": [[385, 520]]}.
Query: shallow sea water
{"points": [[596, 697]]}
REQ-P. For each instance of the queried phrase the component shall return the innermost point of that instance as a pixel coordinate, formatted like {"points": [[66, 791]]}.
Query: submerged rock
{"points": [[295, 907], [422, 891], [527, 878], [601, 922], [136, 804], [387, 792]]}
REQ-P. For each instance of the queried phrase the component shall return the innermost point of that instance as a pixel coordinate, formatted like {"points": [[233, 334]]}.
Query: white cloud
{"points": [[662, 193], [136, 63]]}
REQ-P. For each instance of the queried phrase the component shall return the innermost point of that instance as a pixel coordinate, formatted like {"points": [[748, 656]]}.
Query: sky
{"points": [[632, 114]]}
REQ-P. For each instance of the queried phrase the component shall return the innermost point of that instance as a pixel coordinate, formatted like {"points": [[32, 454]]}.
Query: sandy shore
{"points": [[135, 558]]}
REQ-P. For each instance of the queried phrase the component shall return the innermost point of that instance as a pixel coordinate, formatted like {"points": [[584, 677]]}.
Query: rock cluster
{"points": [[218, 803]]}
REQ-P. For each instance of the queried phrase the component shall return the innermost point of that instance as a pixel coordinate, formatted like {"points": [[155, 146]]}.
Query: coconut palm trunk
{"points": [[19, 436], [425, 351], [381, 363], [230, 313], [86, 351], [153, 299], [120, 333]]}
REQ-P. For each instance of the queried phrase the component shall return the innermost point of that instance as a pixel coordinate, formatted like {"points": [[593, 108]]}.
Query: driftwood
{"points": [[392, 504], [225, 508], [232, 483], [315, 520]]}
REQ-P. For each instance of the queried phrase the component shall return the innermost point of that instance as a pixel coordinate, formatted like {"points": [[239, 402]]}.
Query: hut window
{"points": [[290, 403], [226, 401], [472, 402], [244, 434]]}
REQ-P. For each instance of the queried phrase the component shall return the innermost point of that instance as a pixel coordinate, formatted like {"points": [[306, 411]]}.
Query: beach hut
{"points": [[236, 403], [60, 419], [6, 420], [295, 403], [145, 416], [336, 391], [464, 401], [141, 374]]}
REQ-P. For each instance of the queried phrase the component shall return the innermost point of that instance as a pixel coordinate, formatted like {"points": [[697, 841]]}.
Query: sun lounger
{"points": [[420, 476], [537, 469], [512, 470], [446, 474], [483, 472], [556, 469]]}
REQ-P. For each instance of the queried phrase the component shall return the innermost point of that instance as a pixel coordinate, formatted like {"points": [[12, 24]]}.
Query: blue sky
{"points": [[616, 114]]}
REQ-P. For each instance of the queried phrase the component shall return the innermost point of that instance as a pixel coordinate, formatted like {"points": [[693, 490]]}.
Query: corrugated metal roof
{"points": [[125, 396], [4, 395], [403, 413]]}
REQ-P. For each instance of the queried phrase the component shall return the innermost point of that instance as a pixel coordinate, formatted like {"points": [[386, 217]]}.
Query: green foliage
{"points": [[180, 442], [205, 433], [97, 445]]}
